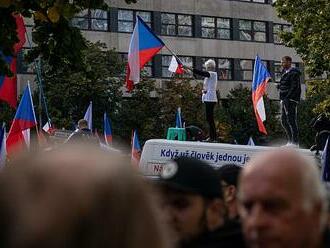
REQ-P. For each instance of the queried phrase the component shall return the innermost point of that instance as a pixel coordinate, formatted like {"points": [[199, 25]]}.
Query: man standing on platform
{"points": [[290, 91]]}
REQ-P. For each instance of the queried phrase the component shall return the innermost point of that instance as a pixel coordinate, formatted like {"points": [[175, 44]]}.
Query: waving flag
{"points": [[3, 150], [325, 161], [107, 129], [136, 149], [250, 142], [143, 46], [24, 119], [261, 77], [176, 66], [178, 119], [8, 85], [89, 116]]}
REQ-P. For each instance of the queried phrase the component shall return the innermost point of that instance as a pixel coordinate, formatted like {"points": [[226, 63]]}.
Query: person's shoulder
{"points": [[295, 71]]}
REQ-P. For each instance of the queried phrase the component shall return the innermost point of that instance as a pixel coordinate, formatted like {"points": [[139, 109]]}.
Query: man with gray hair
{"points": [[282, 202], [209, 94]]}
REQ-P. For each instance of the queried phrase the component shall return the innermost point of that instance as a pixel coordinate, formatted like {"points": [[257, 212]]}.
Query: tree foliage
{"points": [[56, 41], [310, 37], [68, 92], [237, 121]]}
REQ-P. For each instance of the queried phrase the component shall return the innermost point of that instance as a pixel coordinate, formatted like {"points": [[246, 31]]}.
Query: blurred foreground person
{"points": [[228, 175], [282, 202], [80, 197], [194, 203]]}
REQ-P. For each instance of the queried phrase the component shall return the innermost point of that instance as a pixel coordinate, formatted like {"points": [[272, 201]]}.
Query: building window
{"points": [[22, 66], [176, 25], [96, 20], [224, 67], [126, 19], [147, 69], [166, 60], [277, 29], [252, 30], [246, 69], [216, 28]]}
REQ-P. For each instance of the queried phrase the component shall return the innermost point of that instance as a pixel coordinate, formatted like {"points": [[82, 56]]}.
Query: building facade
{"points": [[231, 32]]}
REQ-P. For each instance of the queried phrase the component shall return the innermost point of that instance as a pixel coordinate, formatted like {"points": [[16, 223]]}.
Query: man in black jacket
{"points": [[290, 91], [193, 202], [82, 135]]}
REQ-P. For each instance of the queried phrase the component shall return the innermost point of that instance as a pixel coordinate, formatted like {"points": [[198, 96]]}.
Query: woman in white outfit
{"points": [[209, 94]]}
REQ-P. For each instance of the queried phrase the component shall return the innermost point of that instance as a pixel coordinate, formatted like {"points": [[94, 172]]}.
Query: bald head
{"points": [[281, 198], [288, 167]]}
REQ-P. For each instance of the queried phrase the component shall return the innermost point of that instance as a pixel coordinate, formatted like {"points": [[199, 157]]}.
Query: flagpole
{"points": [[42, 98], [172, 53]]}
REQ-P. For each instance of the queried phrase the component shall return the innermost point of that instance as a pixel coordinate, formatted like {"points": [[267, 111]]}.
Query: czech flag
{"points": [[136, 149], [89, 116], [178, 119], [143, 46], [176, 66], [3, 150], [107, 129], [261, 77], [25, 118], [8, 85], [325, 162]]}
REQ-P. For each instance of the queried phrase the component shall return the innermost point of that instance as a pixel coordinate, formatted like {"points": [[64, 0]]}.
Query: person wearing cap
{"points": [[193, 203], [228, 176]]}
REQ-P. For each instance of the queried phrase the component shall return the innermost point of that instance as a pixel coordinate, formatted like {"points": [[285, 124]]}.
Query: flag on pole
{"points": [[48, 127], [178, 119], [8, 85], [176, 66], [143, 46], [261, 77], [25, 118], [89, 116], [3, 150], [136, 149], [250, 142], [325, 162], [107, 129]]}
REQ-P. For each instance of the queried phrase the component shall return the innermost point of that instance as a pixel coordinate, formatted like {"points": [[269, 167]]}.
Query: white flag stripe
{"points": [[173, 65], [46, 127], [133, 55], [261, 109]]}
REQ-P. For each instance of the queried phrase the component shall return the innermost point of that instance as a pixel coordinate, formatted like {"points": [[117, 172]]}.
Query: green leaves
{"points": [[311, 36]]}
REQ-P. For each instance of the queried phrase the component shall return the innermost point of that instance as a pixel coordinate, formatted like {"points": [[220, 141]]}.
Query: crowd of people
{"points": [[82, 196]]}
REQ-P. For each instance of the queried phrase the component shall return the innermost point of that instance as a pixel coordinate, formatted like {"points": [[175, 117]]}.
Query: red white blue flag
{"points": [[25, 118], [8, 85], [107, 130], [143, 46], [136, 149], [261, 77], [176, 66]]}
